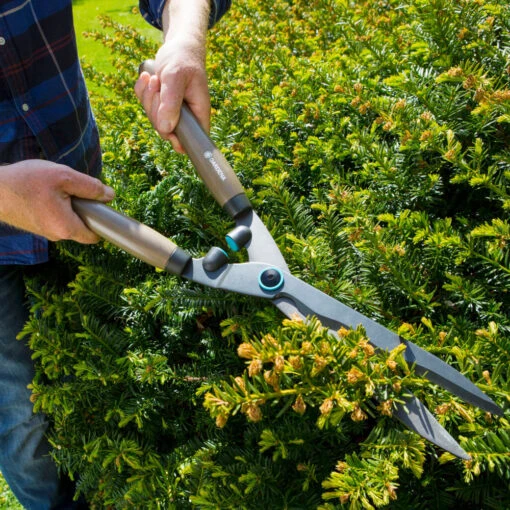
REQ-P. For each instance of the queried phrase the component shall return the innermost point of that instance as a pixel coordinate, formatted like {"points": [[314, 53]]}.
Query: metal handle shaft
{"points": [[209, 162], [132, 236]]}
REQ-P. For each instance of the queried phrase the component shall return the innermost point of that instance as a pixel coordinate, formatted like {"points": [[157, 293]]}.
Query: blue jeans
{"points": [[24, 459]]}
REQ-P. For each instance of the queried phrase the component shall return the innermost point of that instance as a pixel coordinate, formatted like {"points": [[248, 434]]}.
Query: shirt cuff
{"points": [[152, 11]]}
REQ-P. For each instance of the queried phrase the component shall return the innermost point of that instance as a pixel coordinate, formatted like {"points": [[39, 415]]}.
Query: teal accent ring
{"points": [[271, 279], [232, 244]]}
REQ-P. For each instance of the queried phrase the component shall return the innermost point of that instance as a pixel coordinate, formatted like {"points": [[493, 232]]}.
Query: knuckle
{"points": [[96, 185], [64, 179], [181, 68]]}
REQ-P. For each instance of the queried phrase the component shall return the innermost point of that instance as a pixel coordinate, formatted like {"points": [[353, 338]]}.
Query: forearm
{"points": [[152, 10], [186, 20], [180, 73]]}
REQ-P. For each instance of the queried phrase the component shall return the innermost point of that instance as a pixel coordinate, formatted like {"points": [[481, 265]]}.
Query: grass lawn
{"points": [[86, 14]]}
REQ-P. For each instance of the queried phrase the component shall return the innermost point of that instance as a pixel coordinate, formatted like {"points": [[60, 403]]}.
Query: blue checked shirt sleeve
{"points": [[152, 11]]}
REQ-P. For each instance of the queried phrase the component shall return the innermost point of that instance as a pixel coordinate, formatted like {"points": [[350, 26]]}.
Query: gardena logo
{"points": [[209, 156]]}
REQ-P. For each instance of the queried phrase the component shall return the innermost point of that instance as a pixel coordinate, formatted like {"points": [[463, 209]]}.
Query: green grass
{"points": [[86, 14]]}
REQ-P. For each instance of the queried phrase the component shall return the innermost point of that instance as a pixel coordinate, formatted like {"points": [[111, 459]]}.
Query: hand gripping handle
{"points": [[132, 236], [209, 162]]}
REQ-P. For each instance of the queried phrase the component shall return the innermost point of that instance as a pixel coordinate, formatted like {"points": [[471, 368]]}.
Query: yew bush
{"points": [[373, 140]]}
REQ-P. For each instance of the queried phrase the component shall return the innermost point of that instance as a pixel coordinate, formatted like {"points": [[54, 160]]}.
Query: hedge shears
{"points": [[267, 276]]}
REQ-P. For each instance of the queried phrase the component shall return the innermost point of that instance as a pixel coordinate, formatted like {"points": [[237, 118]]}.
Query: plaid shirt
{"points": [[44, 108]]}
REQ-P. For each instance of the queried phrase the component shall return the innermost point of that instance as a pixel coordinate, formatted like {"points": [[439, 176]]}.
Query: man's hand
{"points": [[180, 70], [35, 195]]}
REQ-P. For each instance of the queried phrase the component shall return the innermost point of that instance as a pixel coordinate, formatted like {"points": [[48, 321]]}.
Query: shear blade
{"points": [[261, 247], [297, 297], [415, 416], [333, 314], [444, 375]]}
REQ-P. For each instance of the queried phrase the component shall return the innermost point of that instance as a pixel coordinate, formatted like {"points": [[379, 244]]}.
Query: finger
{"points": [[141, 84], [199, 101], [142, 90], [176, 144], [156, 101], [153, 112], [147, 95], [61, 223], [80, 232], [171, 97], [75, 183], [154, 84]]}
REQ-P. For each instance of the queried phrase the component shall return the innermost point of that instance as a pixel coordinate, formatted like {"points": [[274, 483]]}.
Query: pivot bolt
{"points": [[271, 279]]}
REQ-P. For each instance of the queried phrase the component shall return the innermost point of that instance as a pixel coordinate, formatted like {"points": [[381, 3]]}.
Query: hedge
{"points": [[373, 140]]}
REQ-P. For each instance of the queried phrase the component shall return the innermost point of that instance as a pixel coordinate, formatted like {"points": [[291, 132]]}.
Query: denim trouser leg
{"points": [[24, 459]]}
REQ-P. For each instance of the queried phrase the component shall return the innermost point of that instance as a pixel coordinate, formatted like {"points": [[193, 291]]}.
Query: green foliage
{"points": [[85, 17], [373, 139], [304, 366], [7, 499]]}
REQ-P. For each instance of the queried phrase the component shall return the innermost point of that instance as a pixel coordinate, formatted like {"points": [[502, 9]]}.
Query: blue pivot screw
{"points": [[271, 279]]}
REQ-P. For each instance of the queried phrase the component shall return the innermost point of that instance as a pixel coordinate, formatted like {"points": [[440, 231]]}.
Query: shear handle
{"points": [[132, 236], [209, 162]]}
